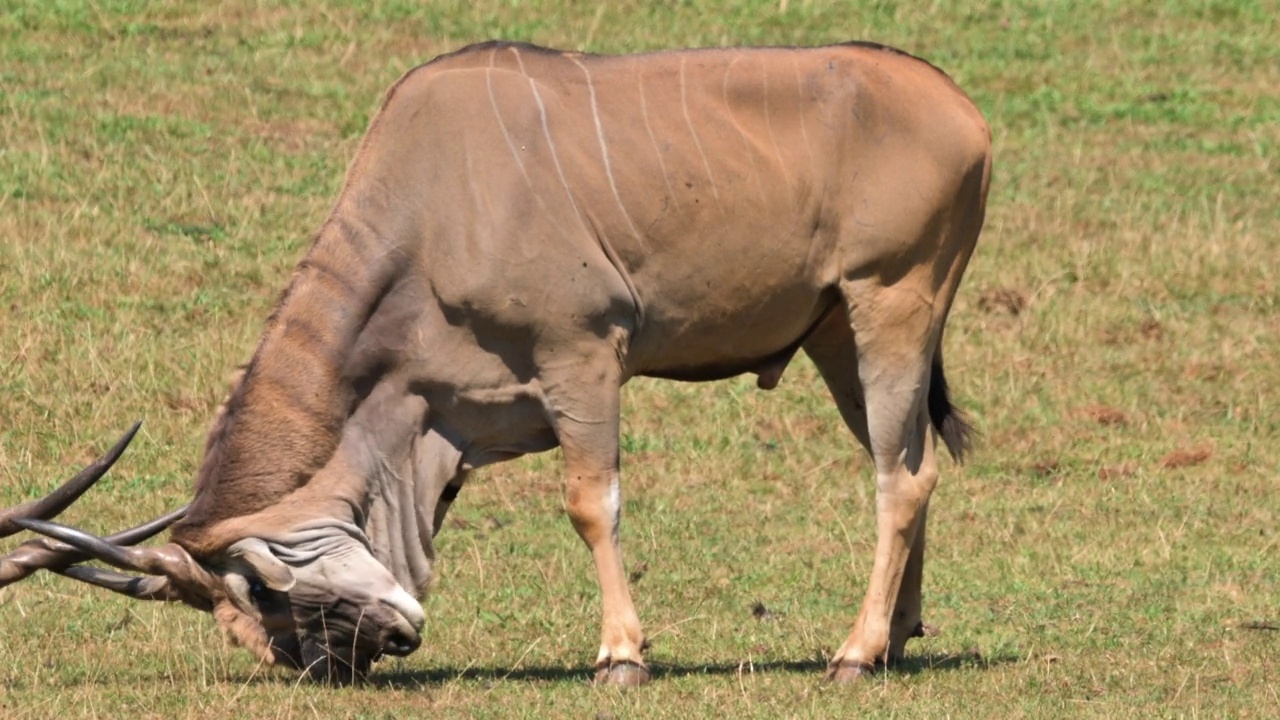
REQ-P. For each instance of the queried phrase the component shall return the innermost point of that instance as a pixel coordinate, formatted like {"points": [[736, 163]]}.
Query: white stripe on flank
{"points": [[644, 113], [684, 105], [546, 131], [493, 102], [804, 133], [768, 121], [746, 139], [555, 158], [534, 190], [604, 151]]}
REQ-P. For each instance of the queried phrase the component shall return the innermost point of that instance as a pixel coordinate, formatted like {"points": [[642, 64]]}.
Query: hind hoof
{"points": [[847, 672], [623, 674]]}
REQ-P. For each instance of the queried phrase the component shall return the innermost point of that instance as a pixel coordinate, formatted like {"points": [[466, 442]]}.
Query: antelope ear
{"points": [[274, 573]]}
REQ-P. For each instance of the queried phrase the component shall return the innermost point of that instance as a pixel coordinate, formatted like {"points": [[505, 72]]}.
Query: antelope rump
{"points": [[522, 231]]}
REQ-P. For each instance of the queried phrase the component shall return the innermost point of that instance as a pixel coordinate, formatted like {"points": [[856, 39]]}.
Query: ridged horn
{"points": [[55, 502], [146, 587], [56, 556], [168, 560]]}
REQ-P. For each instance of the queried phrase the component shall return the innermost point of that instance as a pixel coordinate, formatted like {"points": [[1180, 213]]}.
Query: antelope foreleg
{"points": [[593, 502]]}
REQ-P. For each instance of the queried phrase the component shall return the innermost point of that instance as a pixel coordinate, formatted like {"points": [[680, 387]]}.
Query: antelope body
{"points": [[521, 232]]}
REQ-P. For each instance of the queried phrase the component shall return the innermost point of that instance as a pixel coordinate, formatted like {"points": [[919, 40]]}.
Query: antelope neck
{"points": [[398, 535]]}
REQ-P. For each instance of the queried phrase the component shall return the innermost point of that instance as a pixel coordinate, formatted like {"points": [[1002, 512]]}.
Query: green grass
{"points": [[1111, 550]]}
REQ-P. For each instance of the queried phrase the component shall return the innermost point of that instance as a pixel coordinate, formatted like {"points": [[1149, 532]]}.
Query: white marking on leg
{"points": [[604, 152], [614, 502], [684, 105]]}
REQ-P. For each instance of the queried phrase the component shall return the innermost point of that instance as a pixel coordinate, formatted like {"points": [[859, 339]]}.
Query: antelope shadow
{"points": [[409, 679], [928, 662]]}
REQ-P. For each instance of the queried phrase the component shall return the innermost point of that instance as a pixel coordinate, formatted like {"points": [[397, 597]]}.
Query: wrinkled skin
{"points": [[521, 233], [318, 595], [343, 611]]}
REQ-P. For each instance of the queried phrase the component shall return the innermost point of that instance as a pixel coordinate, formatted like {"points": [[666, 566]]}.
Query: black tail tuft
{"points": [[951, 424]]}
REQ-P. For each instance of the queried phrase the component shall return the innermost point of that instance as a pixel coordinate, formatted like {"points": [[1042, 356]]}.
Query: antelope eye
{"points": [[258, 591]]}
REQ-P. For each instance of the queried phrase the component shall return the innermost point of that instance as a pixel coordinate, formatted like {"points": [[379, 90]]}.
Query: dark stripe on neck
{"points": [[284, 421]]}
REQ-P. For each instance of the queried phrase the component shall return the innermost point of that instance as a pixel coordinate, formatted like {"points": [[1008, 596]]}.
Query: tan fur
{"points": [[524, 230], [243, 631]]}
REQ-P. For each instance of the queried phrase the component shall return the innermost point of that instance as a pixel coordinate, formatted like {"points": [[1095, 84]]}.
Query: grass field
{"points": [[1111, 549]]}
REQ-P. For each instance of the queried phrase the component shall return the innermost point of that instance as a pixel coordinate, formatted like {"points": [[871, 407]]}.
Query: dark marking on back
{"points": [[867, 44]]}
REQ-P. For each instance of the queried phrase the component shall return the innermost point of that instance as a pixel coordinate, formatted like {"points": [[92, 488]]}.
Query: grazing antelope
{"points": [[521, 232]]}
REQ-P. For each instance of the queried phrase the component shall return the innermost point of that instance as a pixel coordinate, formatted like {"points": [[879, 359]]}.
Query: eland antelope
{"points": [[522, 231]]}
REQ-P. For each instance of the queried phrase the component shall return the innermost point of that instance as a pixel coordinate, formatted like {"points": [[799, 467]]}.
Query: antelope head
{"points": [[304, 590]]}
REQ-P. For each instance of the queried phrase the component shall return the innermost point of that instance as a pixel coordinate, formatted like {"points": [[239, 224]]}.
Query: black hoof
{"points": [[623, 674]]}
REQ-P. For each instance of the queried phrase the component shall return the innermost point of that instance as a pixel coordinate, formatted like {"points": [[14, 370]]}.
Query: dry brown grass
{"points": [[1110, 551]]}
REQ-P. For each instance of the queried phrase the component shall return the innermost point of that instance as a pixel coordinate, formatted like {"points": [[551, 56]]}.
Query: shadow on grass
{"points": [[404, 679], [580, 673], [913, 665]]}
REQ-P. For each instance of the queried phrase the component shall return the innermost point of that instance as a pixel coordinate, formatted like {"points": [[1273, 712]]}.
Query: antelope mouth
{"points": [[336, 658], [322, 663]]}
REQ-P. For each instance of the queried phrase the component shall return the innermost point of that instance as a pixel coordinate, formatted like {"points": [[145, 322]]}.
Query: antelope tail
{"points": [[950, 423]]}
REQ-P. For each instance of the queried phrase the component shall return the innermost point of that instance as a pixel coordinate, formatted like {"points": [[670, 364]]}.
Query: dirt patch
{"points": [[1104, 415], [1185, 457], [1118, 471], [1003, 301]]}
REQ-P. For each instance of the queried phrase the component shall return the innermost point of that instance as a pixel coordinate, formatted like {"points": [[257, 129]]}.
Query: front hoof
{"points": [[846, 672], [623, 674]]}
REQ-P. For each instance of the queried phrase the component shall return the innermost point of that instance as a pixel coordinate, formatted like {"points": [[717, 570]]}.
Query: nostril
{"points": [[400, 644]]}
